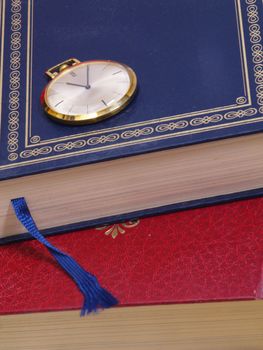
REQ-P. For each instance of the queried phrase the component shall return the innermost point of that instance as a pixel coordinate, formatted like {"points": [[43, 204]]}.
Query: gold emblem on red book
{"points": [[115, 229]]}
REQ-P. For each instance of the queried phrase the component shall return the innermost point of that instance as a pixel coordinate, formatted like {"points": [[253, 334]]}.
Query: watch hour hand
{"points": [[77, 85]]}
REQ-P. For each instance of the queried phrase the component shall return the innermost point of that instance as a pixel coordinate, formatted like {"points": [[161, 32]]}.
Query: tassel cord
{"points": [[71, 267], [94, 294]]}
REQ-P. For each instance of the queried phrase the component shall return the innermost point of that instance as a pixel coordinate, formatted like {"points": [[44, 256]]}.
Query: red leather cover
{"points": [[213, 253]]}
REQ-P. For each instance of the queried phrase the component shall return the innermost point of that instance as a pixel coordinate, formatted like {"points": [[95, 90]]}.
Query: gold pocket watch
{"points": [[87, 92]]}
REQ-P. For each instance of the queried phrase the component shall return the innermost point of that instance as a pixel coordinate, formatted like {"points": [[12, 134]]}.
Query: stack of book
{"points": [[126, 193]]}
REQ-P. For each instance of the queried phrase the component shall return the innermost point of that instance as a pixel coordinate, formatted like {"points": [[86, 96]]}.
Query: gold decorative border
{"points": [[257, 49], [14, 80], [2, 27], [127, 144], [242, 100], [135, 133], [128, 134]]}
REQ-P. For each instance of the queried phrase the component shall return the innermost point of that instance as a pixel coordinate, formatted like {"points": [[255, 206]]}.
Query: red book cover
{"points": [[207, 254]]}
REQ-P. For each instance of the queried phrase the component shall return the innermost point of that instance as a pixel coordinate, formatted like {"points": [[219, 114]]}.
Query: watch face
{"points": [[90, 91]]}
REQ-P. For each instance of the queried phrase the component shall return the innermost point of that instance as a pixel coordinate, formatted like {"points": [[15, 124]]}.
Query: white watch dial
{"points": [[88, 87]]}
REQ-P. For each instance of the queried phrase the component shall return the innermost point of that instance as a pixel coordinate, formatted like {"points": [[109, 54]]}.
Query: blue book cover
{"points": [[199, 65]]}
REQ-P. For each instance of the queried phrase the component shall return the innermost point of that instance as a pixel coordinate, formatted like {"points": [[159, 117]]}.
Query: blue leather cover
{"points": [[199, 65]]}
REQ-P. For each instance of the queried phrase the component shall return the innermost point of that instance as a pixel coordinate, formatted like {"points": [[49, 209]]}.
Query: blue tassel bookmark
{"points": [[94, 295]]}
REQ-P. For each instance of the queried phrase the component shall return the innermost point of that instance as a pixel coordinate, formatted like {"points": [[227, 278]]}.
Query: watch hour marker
{"points": [[105, 104], [117, 72], [73, 74], [117, 93], [59, 103]]}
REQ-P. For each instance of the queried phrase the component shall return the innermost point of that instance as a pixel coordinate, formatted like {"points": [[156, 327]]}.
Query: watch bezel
{"points": [[94, 117]]}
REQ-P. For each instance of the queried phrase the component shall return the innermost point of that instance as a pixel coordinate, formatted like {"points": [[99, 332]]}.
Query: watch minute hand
{"points": [[87, 85]]}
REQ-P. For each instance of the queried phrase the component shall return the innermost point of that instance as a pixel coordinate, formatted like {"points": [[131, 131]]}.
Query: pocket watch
{"points": [[87, 92]]}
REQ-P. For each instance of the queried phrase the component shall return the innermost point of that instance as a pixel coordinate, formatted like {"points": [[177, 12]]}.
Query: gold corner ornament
{"points": [[88, 92], [115, 229]]}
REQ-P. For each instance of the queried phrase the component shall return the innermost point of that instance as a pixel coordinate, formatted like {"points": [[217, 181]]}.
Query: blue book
{"points": [[192, 135]]}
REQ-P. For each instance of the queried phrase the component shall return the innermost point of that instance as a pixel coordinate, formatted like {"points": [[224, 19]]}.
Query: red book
{"points": [[207, 254]]}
